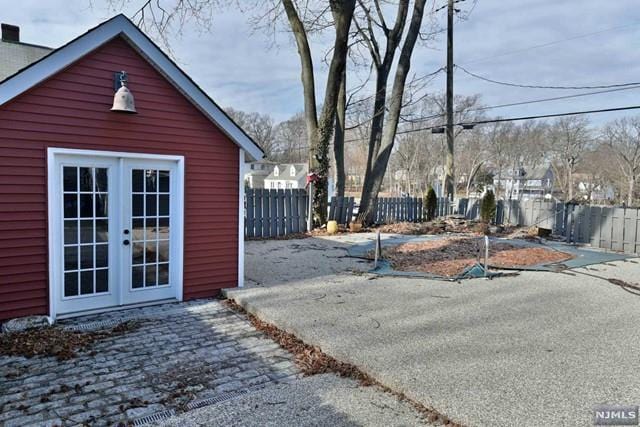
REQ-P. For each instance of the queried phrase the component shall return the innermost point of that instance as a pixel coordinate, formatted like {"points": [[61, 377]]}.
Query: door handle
{"points": [[125, 242]]}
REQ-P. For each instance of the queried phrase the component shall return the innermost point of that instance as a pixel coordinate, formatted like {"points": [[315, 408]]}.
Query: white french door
{"points": [[115, 230], [148, 230]]}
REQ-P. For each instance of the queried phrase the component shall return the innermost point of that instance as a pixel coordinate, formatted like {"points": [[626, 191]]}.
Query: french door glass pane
{"points": [[150, 195], [86, 247]]}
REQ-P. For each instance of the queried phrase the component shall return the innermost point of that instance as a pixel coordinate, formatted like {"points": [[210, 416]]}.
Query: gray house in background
{"points": [[15, 55], [522, 184], [290, 175], [256, 172]]}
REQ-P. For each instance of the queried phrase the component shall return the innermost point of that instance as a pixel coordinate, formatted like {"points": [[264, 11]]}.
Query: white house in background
{"points": [[291, 175], [256, 172], [590, 190], [521, 184]]}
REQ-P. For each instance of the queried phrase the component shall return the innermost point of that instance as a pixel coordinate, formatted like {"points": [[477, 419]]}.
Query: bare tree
{"points": [[339, 137], [291, 140], [160, 17], [386, 110], [568, 138], [623, 138], [260, 127], [320, 128]]}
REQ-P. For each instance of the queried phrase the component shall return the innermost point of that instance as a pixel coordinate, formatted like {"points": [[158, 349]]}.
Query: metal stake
{"points": [[378, 250], [486, 256]]}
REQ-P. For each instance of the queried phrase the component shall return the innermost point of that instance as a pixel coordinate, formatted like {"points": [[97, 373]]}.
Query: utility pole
{"points": [[449, 186]]}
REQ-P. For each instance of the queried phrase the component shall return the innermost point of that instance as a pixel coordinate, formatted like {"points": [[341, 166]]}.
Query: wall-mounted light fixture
{"points": [[123, 99]]}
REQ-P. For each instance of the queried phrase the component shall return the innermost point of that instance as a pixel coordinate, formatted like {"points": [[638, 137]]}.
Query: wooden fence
{"points": [[613, 228], [272, 212], [396, 209], [341, 209]]}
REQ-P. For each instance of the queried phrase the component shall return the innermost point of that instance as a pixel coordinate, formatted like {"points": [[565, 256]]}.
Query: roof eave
{"points": [[61, 58]]}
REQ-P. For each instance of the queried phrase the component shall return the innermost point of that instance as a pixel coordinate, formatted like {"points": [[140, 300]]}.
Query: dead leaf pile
{"points": [[56, 341], [451, 256], [450, 224], [312, 361]]}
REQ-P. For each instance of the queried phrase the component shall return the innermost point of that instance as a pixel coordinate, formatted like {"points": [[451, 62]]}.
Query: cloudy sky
{"points": [[536, 42]]}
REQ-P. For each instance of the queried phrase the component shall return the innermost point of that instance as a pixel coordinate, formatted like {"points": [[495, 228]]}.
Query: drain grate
{"points": [[216, 399], [158, 416], [161, 416], [90, 326]]}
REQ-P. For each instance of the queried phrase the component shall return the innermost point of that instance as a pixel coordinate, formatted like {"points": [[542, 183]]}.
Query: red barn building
{"points": [[102, 209]]}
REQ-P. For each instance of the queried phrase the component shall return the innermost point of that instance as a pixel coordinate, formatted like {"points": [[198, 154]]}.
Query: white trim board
{"points": [[121, 26], [241, 168]]}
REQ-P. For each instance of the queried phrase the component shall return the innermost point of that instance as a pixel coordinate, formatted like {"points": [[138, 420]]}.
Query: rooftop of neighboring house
{"points": [[540, 172], [14, 54], [283, 172], [260, 168]]}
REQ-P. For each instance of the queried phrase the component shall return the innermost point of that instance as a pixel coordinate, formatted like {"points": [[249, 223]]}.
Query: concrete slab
{"points": [[538, 349]]}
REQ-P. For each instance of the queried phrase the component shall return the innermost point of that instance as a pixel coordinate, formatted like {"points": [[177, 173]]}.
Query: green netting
{"points": [[581, 257]]}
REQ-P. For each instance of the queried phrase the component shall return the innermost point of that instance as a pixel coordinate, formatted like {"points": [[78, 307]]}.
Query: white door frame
{"points": [[54, 208]]}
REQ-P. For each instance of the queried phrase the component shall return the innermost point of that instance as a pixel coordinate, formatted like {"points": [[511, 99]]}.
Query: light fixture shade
{"points": [[123, 99]]}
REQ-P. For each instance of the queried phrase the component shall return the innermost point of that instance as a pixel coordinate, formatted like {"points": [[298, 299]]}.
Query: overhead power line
{"points": [[518, 103], [514, 119], [501, 120], [543, 86]]}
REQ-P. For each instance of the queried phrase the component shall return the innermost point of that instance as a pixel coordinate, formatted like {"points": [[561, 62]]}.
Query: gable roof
{"points": [[284, 172], [120, 25]]}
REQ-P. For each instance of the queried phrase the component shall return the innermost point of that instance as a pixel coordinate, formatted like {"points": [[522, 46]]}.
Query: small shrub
{"points": [[488, 207], [430, 204]]}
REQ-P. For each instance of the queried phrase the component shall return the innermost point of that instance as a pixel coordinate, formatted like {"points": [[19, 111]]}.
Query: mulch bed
{"points": [[451, 256], [56, 341], [312, 361], [451, 224]]}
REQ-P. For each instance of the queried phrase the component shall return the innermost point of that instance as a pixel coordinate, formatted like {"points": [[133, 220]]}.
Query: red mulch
{"points": [[451, 256]]}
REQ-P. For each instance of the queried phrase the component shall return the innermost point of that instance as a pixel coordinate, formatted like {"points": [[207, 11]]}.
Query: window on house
{"points": [[276, 171], [293, 171], [279, 184]]}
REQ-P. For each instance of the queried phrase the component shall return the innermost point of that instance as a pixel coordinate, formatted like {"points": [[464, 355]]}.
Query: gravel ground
{"points": [[321, 400], [537, 349], [274, 262]]}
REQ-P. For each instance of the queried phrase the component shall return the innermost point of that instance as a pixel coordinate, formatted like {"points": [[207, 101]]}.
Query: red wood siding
{"points": [[71, 110]]}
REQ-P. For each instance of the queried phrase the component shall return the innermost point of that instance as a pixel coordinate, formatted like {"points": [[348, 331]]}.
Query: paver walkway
{"points": [[180, 353]]}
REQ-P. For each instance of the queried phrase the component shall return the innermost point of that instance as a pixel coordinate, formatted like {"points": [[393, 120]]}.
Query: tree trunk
{"points": [[632, 184], [338, 139], [570, 183], [373, 180], [320, 130], [472, 175]]}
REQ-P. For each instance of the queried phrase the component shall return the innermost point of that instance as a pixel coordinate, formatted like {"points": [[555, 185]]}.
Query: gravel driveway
{"points": [[536, 349]]}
